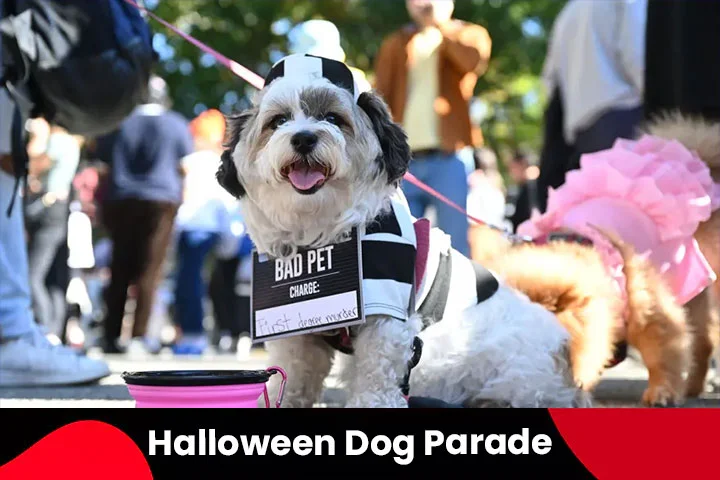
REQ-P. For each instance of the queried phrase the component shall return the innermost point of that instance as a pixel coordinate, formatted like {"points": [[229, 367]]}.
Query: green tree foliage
{"points": [[252, 32]]}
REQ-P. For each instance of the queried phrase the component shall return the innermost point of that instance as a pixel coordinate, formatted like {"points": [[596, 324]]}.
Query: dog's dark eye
{"points": [[332, 118], [277, 120]]}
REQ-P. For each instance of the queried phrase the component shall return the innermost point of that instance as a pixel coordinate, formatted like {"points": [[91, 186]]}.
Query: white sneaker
{"points": [[244, 348], [136, 348], [142, 347], [33, 361]]}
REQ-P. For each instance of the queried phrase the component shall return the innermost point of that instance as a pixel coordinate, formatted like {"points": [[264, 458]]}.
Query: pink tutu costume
{"points": [[652, 193]]}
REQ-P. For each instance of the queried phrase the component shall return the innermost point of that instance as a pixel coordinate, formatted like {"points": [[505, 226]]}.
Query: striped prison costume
{"points": [[409, 268]]}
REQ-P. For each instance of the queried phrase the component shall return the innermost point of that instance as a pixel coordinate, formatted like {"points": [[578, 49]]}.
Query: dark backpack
{"points": [[81, 64]]}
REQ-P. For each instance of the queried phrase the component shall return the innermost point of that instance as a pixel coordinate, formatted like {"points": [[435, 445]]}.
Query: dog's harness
{"points": [[433, 306], [620, 353]]}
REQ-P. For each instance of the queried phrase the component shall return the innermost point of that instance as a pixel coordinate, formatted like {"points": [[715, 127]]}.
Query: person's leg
{"points": [[26, 357], [222, 294], [44, 243], [242, 314], [237, 317], [447, 176], [417, 199], [57, 284], [217, 302], [16, 316], [189, 291], [122, 264], [193, 248], [556, 153], [162, 217]]}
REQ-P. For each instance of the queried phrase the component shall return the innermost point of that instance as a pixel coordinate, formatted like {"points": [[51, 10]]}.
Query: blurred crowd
{"points": [[132, 245], [134, 248]]}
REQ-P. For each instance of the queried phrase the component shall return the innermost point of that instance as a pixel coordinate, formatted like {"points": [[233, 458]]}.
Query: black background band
{"points": [[24, 427]]}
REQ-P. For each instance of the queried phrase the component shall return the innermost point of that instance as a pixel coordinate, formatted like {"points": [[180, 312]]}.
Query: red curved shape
{"points": [[622, 444], [85, 450]]}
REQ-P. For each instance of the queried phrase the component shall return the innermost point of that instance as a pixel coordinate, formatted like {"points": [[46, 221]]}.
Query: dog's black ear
{"points": [[395, 158], [227, 175]]}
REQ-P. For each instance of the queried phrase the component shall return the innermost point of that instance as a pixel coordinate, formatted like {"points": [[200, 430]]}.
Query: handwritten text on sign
{"points": [[316, 289]]}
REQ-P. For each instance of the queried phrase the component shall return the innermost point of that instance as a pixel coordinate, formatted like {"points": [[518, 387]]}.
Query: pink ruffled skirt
{"points": [[653, 193]]}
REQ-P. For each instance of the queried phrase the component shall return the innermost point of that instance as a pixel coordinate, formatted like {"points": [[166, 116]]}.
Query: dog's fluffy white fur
{"points": [[505, 350]]}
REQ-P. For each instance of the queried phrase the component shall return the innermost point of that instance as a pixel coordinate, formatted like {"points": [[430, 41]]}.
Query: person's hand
{"points": [[476, 178], [34, 185], [39, 132]]}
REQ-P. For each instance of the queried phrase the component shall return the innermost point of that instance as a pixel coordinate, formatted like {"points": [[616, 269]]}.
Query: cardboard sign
{"points": [[317, 289]]}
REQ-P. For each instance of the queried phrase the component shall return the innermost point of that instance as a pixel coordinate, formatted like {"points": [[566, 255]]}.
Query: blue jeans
{"points": [[190, 289], [16, 316], [445, 173]]}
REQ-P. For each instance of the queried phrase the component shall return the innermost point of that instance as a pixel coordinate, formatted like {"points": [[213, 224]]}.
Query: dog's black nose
{"points": [[304, 141]]}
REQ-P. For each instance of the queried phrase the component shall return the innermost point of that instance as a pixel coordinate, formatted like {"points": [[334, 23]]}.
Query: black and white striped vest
{"points": [[409, 268]]}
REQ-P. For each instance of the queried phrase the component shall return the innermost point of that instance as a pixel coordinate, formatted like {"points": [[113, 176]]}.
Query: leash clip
{"points": [[414, 360]]}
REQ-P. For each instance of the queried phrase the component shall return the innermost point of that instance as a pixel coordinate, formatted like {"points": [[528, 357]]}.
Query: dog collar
{"points": [[312, 67], [564, 237]]}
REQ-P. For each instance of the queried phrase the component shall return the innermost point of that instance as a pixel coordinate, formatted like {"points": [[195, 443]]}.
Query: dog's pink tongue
{"points": [[305, 178]]}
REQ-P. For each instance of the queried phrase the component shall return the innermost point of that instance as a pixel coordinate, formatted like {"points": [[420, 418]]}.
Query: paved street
{"points": [[622, 386]]}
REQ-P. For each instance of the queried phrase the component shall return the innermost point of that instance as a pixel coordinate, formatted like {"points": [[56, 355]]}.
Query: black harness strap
{"points": [[431, 310], [414, 360], [433, 307]]}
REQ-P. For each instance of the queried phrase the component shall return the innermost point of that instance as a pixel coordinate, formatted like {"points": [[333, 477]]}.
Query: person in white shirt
{"points": [[205, 223], [322, 38], [597, 59], [487, 193], [594, 73]]}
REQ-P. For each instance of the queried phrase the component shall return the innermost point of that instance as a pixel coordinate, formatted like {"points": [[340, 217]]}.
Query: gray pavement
{"points": [[622, 386]]}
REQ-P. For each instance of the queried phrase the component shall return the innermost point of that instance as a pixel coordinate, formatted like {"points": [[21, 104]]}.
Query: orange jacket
{"points": [[464, 56]]}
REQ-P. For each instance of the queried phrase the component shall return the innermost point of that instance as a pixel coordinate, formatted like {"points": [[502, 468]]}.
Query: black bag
{"points": [[81, 64]]}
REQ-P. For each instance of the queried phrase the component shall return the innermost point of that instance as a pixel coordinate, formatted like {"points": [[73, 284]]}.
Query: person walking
{"points": [[203, 226], [594, 73], [53, 165], [523, 191], [230, 293], [427, 73], [27, 358], [143, 195]]}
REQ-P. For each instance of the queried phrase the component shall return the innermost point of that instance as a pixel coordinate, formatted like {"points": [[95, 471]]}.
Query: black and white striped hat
{"points": [[312, 67]]}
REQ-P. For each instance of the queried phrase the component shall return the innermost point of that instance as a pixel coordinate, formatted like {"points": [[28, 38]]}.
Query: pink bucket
{"points": [[202, 388]]}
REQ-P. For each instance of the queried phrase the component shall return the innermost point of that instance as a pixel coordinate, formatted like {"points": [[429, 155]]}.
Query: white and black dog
{"points": [[312, 159]]}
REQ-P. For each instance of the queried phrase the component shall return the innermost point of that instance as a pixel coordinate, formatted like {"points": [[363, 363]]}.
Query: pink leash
{"points": [[249, 76], [412, 179], [256, 81]]}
